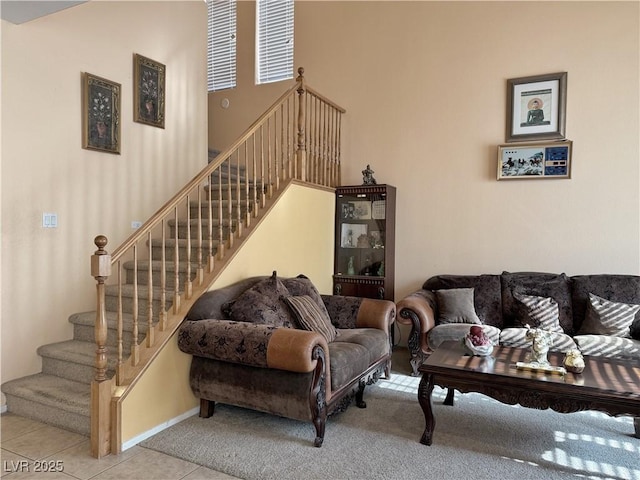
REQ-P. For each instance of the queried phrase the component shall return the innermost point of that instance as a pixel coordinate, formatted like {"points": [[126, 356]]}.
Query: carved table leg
{"points": [[636, 425], [448, 400], [424, 398]]}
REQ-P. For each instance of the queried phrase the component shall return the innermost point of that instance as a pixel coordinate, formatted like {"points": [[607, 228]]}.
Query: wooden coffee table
{"points": [[608, 385]]}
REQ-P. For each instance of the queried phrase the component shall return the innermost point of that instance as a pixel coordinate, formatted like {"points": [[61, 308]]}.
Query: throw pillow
{"points": [[302, 285], [310, 317], [263, 303], [605, 317], [455, 305], [540, 312]]}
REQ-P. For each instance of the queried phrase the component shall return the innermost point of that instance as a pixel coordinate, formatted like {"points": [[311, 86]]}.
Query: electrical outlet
{"points": [[135, 224], [50, 220]]}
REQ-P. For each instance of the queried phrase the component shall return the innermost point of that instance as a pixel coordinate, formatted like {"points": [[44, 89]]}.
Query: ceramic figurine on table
{"points": [[541, 341], [574, 361], [367, 176]]}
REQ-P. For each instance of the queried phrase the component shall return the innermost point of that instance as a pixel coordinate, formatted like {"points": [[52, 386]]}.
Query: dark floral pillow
{"points": [[263, 303], [301, 285]]}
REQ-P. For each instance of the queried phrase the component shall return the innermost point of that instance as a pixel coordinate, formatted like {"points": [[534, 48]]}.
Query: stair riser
{"points": [[50, 415], [170, 280], [182, 232], [111, 302], [71, 371], [156, 253], [85, 333], [204, 209]]}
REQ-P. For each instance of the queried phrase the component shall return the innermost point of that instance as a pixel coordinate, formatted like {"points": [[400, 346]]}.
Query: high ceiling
{"points": [[21, 11]]}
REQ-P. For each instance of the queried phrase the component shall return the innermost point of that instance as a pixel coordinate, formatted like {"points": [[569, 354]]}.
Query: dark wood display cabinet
{"points": [[365, 241]]}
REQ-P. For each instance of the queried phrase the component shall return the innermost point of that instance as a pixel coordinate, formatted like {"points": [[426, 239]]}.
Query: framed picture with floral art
{"points": [[148, 92], [100, 114]]}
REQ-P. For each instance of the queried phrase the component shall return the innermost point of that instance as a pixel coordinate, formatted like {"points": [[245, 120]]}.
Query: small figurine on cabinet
{"points": [[367, 176], [350, 269]]}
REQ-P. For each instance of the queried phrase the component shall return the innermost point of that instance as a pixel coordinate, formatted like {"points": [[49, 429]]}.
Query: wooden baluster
{"points": [[188, 284], [280, 175], [318, 142], [163, 280], [150, 331], [339, 179], [220, 226], [101, 388], [210, 226], [229, 203], [135, 347], [119, 321], [290, 162], [325, 145], [255, 178], [262, 155], [301, 152], [269, 159], [200, 269], [176, 264], [238, 197], [247, 184]]}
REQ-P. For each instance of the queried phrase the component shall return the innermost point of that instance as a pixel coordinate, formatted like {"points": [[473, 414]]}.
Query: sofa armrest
{"points": [[418, 306], [358, 312], [251, 344]]}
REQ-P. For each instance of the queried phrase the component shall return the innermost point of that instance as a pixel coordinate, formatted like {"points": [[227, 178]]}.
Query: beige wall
{"points": [[424, 85], [45, 272], [164, 393]]}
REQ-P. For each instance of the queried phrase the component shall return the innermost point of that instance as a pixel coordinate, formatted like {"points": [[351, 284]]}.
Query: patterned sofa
{"points": [[598, 314], [278, 346]]}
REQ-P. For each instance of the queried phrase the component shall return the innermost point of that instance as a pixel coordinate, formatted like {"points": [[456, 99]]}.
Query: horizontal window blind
{"points": [[221, 44], [274, 40]]}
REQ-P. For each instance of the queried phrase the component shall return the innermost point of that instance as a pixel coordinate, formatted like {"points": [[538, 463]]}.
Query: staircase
{"points": [[60, 394], [146, 285]]}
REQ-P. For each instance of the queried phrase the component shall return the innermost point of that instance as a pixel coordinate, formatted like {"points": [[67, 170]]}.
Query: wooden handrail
{"points": [[223, 203]]}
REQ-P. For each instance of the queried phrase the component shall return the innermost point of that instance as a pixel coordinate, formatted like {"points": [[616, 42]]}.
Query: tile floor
{"points": [[29, 447]]}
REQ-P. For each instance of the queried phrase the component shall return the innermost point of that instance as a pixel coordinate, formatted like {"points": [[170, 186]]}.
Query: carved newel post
{"points": [[301, 152], [100, 387]]}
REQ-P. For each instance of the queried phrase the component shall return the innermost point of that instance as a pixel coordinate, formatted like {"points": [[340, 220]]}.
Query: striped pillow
{"points": [[310, 317], [541, 312], [605, 317]]}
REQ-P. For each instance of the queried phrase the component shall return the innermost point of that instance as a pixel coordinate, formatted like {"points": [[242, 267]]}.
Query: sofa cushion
{"points": [[310, 317], [556, 286], [517, 337], [608, 318], [608, 346], [540, 312], [301, 285], [487, 298], [263, 303], [456, 332], [617, 288], [455, 305], [346, 361], [376, 342]]}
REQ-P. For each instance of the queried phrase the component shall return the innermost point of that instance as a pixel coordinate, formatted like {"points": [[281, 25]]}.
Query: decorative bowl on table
{"points": [[477, 343]]}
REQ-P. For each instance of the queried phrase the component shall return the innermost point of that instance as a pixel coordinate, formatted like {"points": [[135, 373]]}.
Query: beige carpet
{"points": [[478, 438]]}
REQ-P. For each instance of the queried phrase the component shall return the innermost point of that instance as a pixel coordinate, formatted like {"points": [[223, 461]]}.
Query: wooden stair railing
{"points": [[178, 253]]}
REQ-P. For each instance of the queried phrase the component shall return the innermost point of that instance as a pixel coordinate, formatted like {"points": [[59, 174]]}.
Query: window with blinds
{"points": [[221, 44], [274, 40]]}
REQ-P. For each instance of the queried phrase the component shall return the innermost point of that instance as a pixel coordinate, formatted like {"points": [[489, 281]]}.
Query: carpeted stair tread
{"points": [[75, 351], [89, 319], [52, 391]]}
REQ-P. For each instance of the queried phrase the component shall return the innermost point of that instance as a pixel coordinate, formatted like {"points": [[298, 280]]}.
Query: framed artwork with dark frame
{"points": [[535, 160], [536, 107], [148, 91], [100, 114]]}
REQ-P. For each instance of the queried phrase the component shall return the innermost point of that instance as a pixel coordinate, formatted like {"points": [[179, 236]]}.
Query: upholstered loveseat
{"points": [[597, 314], [276, 345]]}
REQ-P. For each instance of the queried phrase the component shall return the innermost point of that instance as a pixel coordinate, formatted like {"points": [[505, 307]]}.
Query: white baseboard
{"points": [[150, 433]]}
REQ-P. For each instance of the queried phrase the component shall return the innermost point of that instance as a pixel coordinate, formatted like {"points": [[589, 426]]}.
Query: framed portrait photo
{"points": [[100, 114], [535, 160], [148, 91], [536, 107]]}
